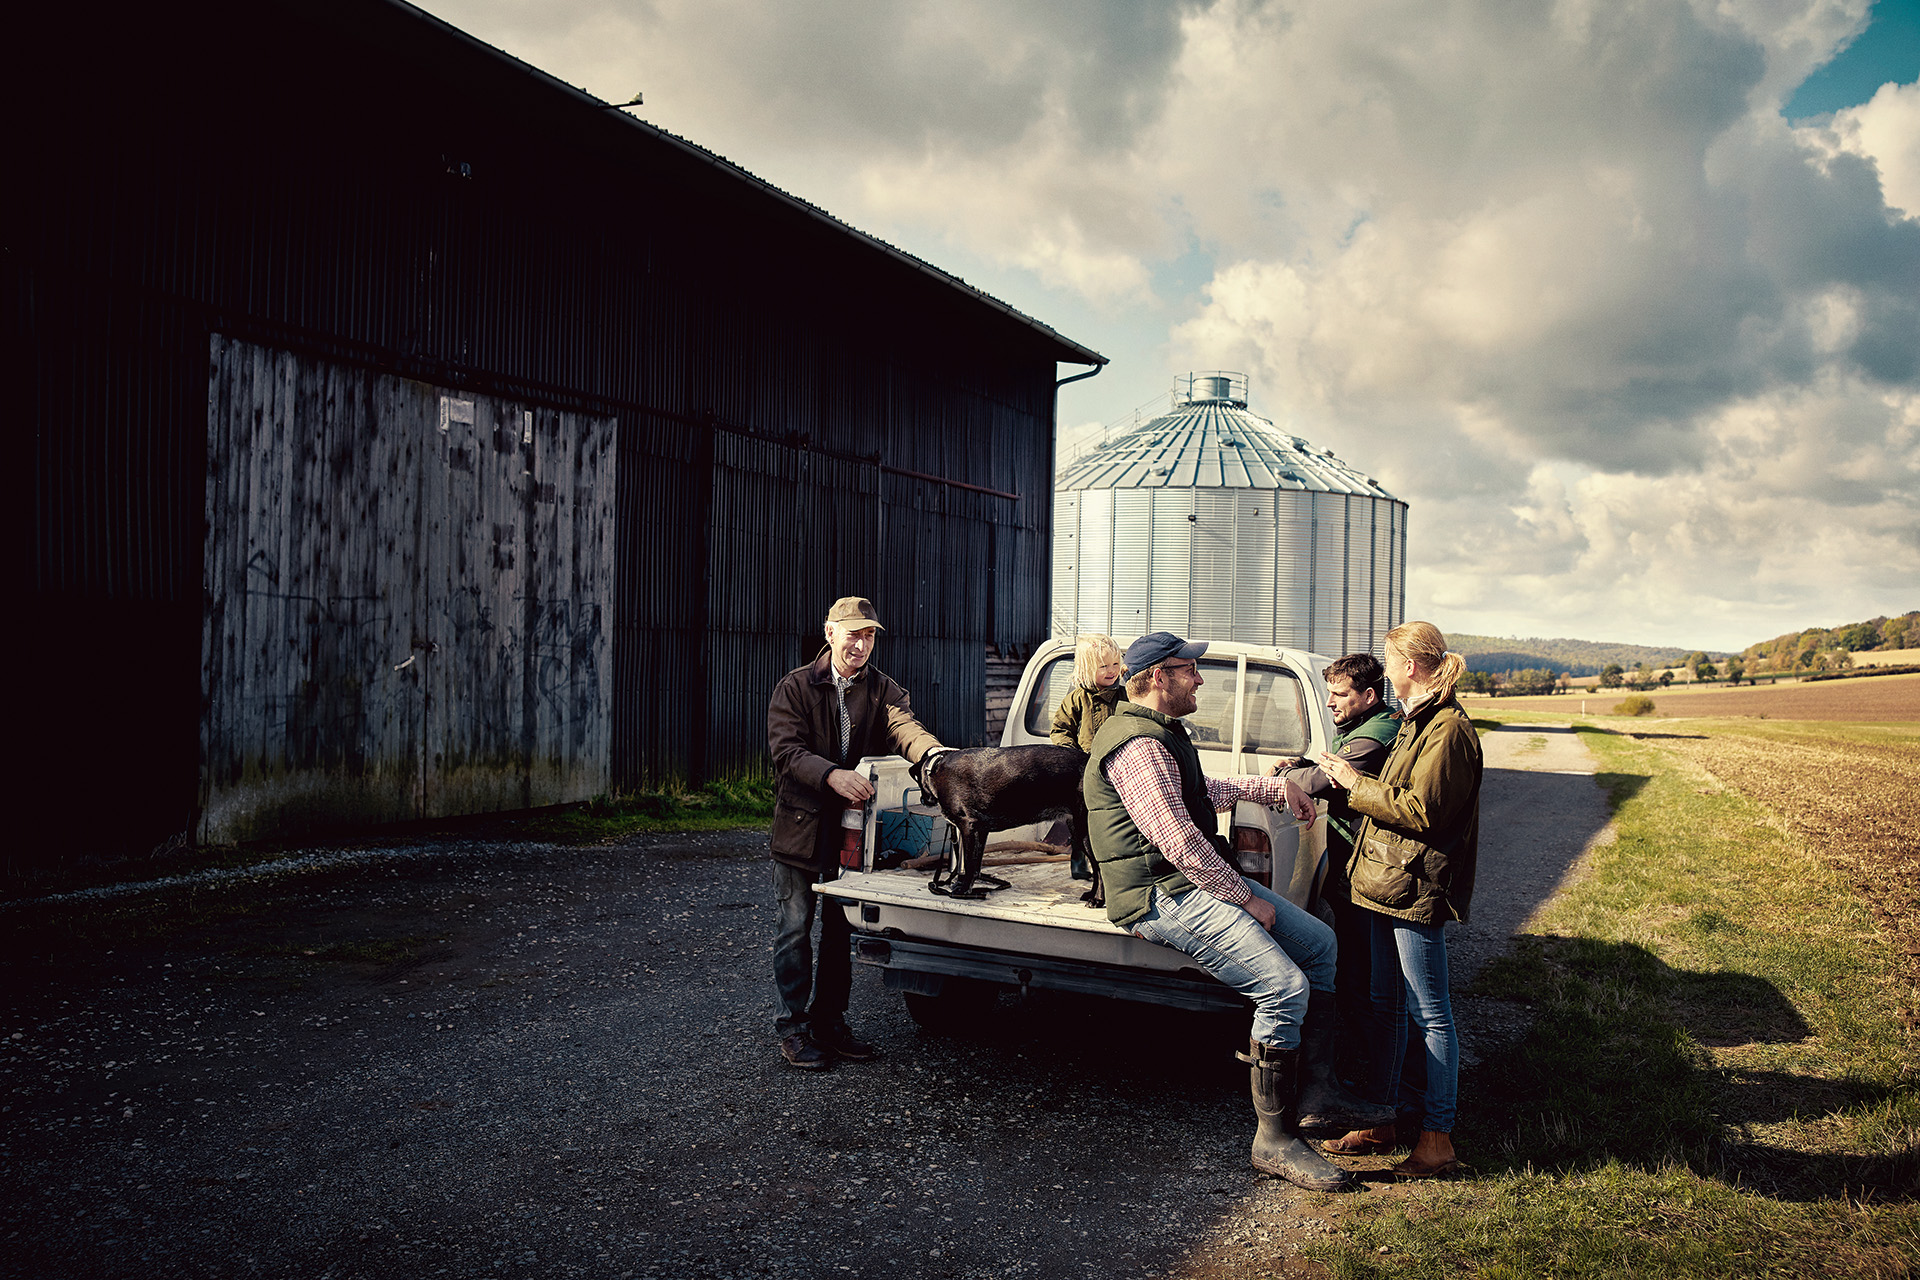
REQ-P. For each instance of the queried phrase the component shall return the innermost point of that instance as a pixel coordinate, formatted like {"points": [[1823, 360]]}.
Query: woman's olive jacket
{"points": [[1413, 857], [803, 737]]}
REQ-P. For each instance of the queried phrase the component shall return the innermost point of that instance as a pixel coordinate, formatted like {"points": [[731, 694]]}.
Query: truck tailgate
{"points": [[1040, 913]]}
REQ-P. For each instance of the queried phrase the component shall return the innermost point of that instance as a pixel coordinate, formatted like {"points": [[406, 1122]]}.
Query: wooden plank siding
{"points": [[409, 601]]}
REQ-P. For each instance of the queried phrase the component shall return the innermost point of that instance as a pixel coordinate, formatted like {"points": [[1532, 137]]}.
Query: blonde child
{"points": [[1097, 667]]}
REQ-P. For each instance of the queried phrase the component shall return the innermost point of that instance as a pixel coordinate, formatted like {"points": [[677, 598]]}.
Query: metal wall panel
{"points": [[1293, 569], [1094, 613], [1066, 563], [1254, 522], [1327, 618], [1215, 534], [1172, 561], [1132, 561]]}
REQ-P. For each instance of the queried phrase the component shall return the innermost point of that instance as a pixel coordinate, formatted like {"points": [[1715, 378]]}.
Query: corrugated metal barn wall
{"points": [[777, 385], [950, 568]]}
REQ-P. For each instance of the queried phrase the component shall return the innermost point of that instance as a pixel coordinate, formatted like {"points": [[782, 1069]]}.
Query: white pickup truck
{"points": [[950, 957]]}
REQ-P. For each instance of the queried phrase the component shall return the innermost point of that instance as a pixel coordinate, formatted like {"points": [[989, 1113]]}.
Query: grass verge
{"points": [[717, 806], [1718, 1081], [740, 802]]}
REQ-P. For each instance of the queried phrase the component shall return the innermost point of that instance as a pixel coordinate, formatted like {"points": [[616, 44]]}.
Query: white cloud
{"points": [[1885, 130], [1642, 357]]}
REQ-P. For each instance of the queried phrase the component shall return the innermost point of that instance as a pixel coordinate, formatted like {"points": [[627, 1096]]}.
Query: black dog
{"points": [[992, 788]]}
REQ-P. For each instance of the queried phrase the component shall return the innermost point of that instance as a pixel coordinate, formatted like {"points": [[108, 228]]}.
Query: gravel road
{"points": [[481, 1059]]}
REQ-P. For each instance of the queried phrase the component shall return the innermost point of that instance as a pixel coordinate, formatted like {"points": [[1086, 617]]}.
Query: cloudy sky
{"points": [[1621, 296]]}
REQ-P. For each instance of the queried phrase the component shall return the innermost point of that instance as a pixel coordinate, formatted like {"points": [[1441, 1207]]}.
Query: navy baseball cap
{"points": [[1158, 647]]}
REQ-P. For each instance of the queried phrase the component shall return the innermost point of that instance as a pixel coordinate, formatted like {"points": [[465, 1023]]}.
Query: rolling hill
{"points": [[1575, 657]]}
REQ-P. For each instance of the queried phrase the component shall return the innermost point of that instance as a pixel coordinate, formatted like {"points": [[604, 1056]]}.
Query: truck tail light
{"points": [[1253, 854]]}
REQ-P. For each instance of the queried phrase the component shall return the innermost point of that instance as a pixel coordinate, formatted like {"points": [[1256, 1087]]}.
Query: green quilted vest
{"points": [[1130, 865], [1382, 728]]}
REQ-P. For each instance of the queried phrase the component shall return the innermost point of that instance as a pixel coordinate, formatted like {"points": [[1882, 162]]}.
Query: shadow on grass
{"points": [[1615, 1068], [1621, 787]]}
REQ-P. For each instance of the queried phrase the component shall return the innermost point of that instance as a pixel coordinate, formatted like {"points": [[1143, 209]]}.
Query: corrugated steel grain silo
{"points": [[1212, 522]]}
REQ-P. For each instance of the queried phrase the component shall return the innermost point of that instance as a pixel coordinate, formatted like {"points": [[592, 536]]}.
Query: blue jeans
{"points": [[793, 974], [1410, 986], [1274, 970]]}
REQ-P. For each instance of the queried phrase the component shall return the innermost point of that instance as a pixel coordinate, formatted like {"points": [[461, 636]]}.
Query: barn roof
{"points": [[558, 104]]}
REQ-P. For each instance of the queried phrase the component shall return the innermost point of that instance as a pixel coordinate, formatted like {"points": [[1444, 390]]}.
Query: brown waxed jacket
{"points": [[803, 736], [1414, 856]]}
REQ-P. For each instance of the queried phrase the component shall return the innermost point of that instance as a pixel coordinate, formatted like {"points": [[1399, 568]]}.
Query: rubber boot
{"points": [[1277, 1149], [1325, 1104]]}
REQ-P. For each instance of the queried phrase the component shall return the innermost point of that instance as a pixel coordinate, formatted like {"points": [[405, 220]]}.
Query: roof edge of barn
{"points": [[1071, 352]]}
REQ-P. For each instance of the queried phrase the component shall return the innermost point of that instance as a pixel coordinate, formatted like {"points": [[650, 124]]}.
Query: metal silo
{"points": [[1212, 522]]}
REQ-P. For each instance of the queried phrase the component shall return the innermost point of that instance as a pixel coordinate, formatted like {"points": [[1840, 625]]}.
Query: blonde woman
{"points": [[1412, 868], [1098, 665]]}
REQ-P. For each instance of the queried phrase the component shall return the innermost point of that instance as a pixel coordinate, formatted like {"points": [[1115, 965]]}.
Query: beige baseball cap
{"points": [[855, 612]]}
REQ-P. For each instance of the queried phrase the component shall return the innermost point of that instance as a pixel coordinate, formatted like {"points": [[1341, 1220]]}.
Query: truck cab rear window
{"points": [[1276, 720], [1047, 692], [1276, 710]]}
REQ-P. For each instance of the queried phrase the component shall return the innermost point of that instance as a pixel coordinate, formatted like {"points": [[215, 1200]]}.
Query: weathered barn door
{"points": [[409, 598]]}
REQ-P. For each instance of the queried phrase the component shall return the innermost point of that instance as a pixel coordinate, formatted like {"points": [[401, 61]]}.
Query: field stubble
{"points": [[1851, 802]]}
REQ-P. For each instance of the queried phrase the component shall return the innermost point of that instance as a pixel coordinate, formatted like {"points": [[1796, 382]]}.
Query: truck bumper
{"points": [[912, 965]]}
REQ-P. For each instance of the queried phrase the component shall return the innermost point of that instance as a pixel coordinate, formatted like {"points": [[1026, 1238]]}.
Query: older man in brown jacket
{"points": [[823, 718]]}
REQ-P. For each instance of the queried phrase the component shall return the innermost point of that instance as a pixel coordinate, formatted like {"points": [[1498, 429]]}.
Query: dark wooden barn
{"points": [[412, 434]]}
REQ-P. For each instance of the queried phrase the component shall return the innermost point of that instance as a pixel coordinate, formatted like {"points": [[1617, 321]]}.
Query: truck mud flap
{"points": [[922, 967]]}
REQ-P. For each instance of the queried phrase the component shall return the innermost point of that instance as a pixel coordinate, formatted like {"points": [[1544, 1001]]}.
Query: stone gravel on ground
{"points": [[501, 1060]]}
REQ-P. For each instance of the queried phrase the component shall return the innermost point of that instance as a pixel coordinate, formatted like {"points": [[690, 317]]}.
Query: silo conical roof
{"points": [[1213, 442]]}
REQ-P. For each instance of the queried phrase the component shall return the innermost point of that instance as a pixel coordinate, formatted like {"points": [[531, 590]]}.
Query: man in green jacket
{"points": [[822, 719], [1364, 729], [1152, 823]]}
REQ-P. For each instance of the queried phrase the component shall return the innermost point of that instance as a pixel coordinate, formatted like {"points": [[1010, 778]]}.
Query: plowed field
{"points": [[1862, 700]]}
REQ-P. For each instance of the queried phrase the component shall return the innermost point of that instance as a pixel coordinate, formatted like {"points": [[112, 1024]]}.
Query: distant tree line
{"points": [[1823, 649], [1506, 654], [1514, 684], [1698, 664], [1512, 666]]}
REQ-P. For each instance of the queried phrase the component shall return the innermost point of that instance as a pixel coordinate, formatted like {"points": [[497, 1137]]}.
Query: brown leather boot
{"points": [[1363, 1142], [1433, 1156]]}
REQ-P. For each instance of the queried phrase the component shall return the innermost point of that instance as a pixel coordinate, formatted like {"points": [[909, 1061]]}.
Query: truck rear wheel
{"points": [[961, 1004]]}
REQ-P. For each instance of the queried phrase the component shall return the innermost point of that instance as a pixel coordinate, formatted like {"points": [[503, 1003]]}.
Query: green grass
{"points": [[720, 805], [1716, 1083], [1618, 1221], [740, 802]]}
